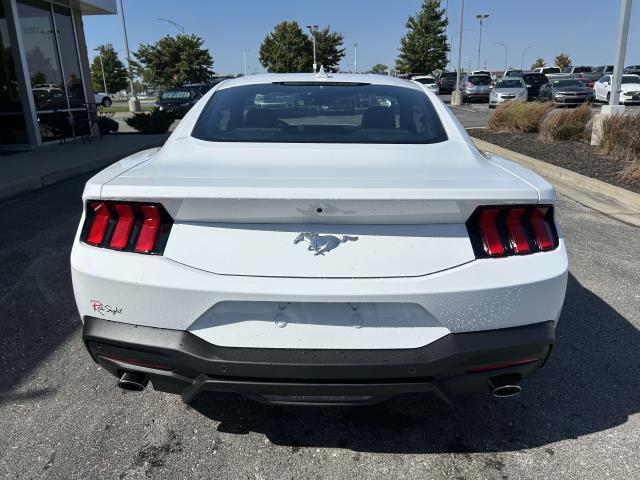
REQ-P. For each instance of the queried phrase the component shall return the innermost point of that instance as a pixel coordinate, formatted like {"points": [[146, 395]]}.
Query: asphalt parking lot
{"points": [[476, 115]]}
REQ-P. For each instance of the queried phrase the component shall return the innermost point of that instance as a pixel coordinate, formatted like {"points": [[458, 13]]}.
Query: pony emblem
{"points": [[322, 244]]}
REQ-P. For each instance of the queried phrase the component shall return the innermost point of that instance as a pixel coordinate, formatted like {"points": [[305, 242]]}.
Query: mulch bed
{"points": [[573, 155]]}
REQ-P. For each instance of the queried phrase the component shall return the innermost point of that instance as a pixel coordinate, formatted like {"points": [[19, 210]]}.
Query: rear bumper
{"points": [[179, 362]]}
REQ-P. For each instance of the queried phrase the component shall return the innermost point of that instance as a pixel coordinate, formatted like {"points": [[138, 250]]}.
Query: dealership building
{"points": [[45, 82]]}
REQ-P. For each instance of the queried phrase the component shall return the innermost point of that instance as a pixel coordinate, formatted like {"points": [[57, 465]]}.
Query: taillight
{"points": [[128, 226], [497, 231], [469, 84]]}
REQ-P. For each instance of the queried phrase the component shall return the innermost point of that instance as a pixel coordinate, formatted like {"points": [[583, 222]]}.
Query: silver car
{"points": [[429, 82], [476, 87], [507, 89]]}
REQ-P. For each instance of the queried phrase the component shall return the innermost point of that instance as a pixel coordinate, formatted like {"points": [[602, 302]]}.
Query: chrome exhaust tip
{"points": [[132, 381], [504, 386]]}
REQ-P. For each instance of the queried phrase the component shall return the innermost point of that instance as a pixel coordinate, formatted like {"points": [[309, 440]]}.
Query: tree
{"points": [[287, 49], [563, 60], [114, 70], [539, 63], [424, 47], [379, 69], [173, 61], [328, 49]]}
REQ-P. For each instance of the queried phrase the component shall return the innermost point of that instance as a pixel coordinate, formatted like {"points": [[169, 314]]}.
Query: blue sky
{"points": [[585, 29]]}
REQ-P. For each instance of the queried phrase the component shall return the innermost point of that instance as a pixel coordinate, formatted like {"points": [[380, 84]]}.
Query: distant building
{"points": [[45, 82]]}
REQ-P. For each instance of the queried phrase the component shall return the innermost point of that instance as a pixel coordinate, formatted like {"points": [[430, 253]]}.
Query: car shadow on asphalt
{"points": [[591, 383]]}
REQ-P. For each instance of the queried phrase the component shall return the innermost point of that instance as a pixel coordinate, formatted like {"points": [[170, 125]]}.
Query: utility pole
{"points": [[313, 29], [355, 58], [481, 17], [134, 103], [456, 96], [244, 58], [104, 79]]}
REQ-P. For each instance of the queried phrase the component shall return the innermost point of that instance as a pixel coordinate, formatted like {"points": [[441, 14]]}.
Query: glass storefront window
{"points": [[69, 55], [13, 129]]}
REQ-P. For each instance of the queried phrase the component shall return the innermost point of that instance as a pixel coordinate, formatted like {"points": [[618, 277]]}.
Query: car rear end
{"points": [[533, 82], [447, 82], [477, 88], [310, 272]]}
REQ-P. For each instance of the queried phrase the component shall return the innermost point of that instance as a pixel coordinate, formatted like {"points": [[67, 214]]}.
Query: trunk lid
{"points": [[320, 211]]}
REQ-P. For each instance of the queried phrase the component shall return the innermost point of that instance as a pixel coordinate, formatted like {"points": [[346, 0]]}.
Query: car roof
{"points": [[422, 76], [311, 77], [509, 78]]}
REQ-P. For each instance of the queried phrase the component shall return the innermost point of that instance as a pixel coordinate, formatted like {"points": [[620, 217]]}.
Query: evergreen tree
{"points": [[539, 63], [379, 68], [563, 60], [424, 47], [329, 51], [287, 49]]}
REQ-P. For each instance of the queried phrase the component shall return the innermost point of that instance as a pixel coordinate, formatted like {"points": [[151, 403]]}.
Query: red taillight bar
{"points": [[127, 226], [504, 230], [497, 366]]}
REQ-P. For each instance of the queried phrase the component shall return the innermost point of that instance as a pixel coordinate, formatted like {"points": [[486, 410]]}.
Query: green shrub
{"points": [[155, 122], [620, 139], [569, 124], [107, 125], [519, 116]]}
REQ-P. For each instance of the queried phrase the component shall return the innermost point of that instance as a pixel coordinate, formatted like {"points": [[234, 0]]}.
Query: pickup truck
{"points": [[579, 72], [550, 72]]}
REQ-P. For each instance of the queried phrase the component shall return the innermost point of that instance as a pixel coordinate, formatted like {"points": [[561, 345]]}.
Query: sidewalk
{"points": [[26, 171]]}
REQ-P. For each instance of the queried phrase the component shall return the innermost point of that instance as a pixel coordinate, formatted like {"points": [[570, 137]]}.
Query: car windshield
{"points": [[630, 79], [567, 83], [425, 81], [176, 94], [300, 112], [480, 80], [509, 84], [449, 75]]}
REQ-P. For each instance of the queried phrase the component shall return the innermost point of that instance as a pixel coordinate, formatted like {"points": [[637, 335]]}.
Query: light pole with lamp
{"points": [[480, 17], [456, 95], [522, 57], [134, 103], [506, 49], [313, 29], [104, 78], [355, 57], [244, 58], [175, 24]]}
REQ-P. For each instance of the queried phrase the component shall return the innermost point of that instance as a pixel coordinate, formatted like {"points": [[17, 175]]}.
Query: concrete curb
{"points": [[56, 176], [604, 197]]}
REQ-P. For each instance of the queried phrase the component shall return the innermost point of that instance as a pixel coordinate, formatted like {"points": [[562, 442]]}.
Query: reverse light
{"points": [[127, 226], [497, 231]]}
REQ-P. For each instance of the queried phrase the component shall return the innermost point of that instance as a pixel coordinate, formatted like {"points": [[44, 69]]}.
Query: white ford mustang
{"points": [[328, 239]]}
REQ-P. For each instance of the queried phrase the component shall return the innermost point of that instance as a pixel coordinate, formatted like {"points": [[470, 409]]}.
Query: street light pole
{"points": [[505, 55], [355, 57], [244, 58], [623, 32], [104, 78], [175, 24], [480, 17], [134, 103], [313, 29], [522, 57], [456, 96]]}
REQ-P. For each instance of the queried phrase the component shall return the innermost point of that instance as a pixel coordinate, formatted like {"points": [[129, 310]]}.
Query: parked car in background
{"points": [[582, 71], [481, 72], [180, 99], [429, 81], [550, 72], [630, 89], [476, 87], [602, 70], [587, 82], [512, 72], [103, 99], [534, 81], [566, 91], [447, 82], [508, 89], [632, 69]]}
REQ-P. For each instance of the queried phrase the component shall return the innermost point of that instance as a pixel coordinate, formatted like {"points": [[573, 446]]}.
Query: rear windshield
{"points": [[480, 80], [313, 113], [449, 75], [425, 81], [630, 79], [535, 78], [551, 70], [509, 84], [176, 93], [567, 83]]}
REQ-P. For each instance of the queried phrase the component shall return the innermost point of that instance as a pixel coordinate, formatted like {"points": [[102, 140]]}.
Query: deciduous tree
{"points": [[115, 73], [329, 51], [563, 60], [379, 68], [424, 47], [539, 63], [287, 49], [172, 61]]}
